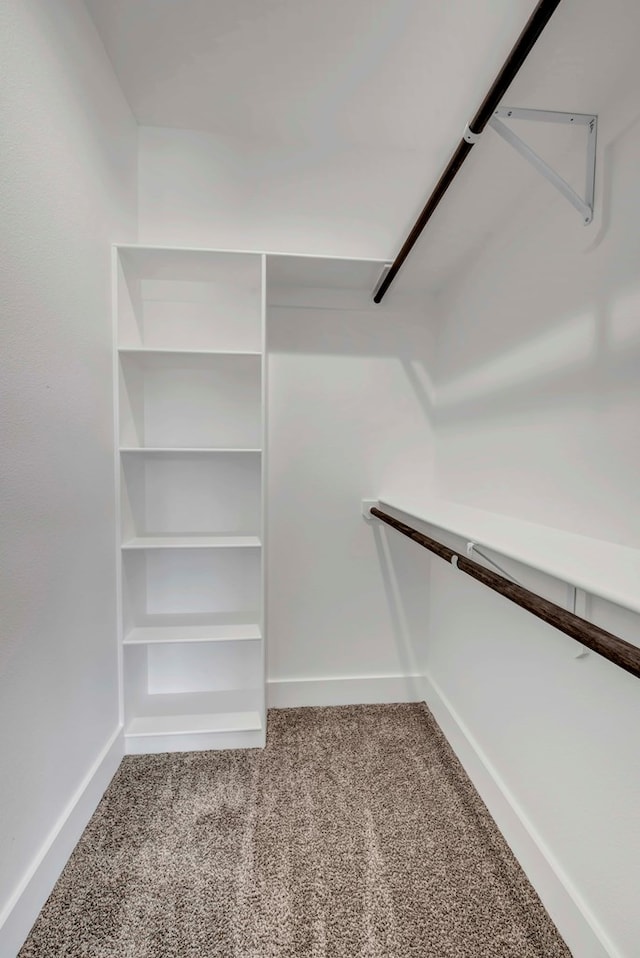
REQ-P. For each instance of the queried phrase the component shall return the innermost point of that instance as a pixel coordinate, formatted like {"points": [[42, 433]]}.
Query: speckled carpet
{"points": [[354, 834]]}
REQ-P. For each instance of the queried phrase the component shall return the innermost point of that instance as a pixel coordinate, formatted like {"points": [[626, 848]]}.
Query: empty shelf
{"points": [[150, 351], [158, 634], [192, 542], [180, 450], [200, 723]]}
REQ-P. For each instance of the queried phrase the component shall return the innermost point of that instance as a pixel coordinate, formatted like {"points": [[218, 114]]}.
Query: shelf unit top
{"points": [[283, 268], [596, 566], [150, 248], [193, 541]]}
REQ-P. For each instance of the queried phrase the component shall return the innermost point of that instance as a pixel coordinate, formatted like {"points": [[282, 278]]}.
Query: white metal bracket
{"points": [[578, 603], [472, 547], [583, 205]]}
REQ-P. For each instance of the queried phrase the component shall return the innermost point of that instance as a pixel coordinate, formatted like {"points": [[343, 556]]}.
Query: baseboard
{"points": [[193, 742], [357, 690], [22, 909], [580, 929]]}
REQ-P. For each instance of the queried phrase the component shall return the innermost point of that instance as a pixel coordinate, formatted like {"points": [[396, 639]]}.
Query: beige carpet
{"points": [[354, 834]]}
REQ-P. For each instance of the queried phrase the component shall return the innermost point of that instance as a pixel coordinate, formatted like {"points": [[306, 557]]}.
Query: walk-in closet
{"points": [[319, 484]]}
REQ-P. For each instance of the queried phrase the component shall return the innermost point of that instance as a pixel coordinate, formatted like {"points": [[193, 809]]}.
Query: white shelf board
{"points": [[600, 568], [178, 450], [150, 248], [209, 359], [193, 542], [198, 723], [151, 351], [159, 634]]}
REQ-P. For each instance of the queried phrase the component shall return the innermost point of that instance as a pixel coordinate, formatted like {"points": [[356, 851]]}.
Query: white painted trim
{"points": [[24, 905], [344, 690], [196, 741], [574, 919]]}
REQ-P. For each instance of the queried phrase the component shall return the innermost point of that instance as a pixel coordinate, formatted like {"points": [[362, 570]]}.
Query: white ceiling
{"points": [[378, 74]]}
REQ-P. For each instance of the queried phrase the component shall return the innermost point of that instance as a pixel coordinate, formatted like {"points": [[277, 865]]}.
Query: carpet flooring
{"points": [[354, 834]]}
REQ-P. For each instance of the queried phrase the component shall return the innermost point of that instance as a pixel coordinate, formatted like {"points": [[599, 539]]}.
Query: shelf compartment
{"points": [[188, 299], [192, 732], [165, 682], [172, 705], [172, 679], [193, 542], [195, 722], [185, 587], [190, 400], [178, 668], [179, 495]]}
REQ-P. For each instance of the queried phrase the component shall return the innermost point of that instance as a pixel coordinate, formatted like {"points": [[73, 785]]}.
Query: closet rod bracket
{"points": [[584, 205], [382, 277], [366, 506]]}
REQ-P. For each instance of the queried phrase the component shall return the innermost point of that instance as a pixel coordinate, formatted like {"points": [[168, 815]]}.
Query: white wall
{"points": [[346, 419], [537, 415], [539, 355], [67, 191], [197, 189]]}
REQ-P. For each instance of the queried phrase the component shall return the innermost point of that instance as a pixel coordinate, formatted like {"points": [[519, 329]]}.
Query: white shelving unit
{"points": [[190, 415]]}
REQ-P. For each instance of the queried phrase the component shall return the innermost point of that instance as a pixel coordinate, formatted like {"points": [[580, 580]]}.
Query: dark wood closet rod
{"points": [[524, 44], [618, 651]]}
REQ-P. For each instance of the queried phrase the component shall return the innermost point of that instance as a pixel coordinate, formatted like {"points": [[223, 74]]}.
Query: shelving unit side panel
{"points": [[263, 484], [118, 306]]}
